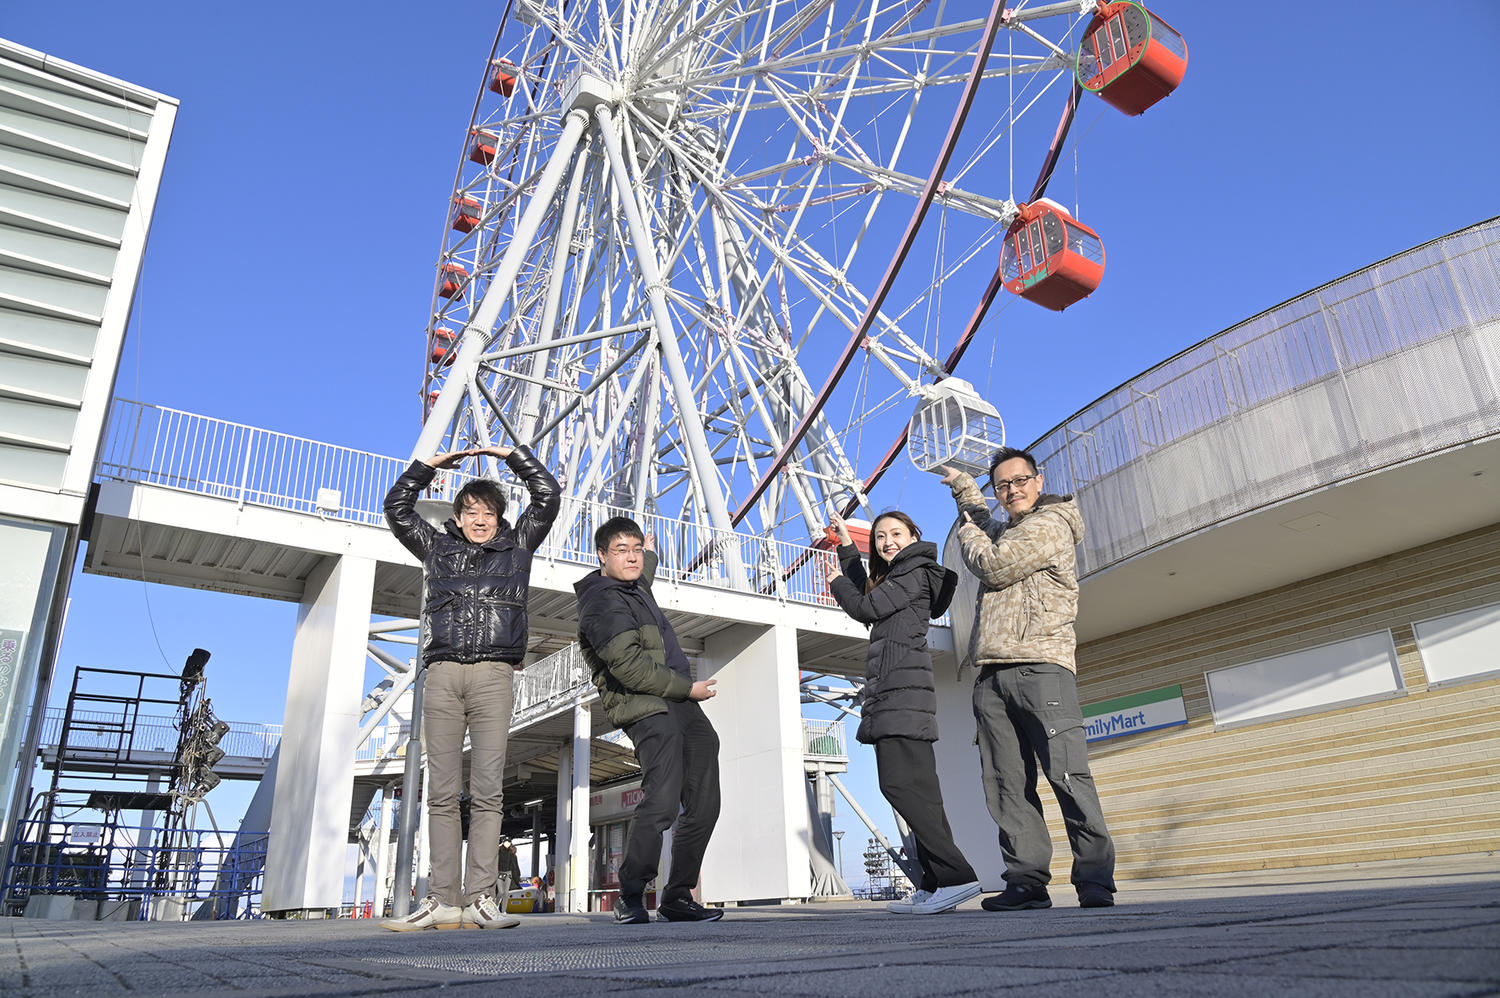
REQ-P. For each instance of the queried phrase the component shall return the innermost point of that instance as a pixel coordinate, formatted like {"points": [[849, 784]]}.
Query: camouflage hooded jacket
{"points": [[1028, 575]]}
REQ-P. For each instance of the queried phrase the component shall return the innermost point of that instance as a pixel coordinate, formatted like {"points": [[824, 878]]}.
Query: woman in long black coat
{"points": [[904, 589]]}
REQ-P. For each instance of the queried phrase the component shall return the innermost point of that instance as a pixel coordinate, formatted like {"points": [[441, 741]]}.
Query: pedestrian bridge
{"points": [[184, 499]]}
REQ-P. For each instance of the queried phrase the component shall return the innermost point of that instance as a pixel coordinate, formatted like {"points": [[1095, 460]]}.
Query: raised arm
{"points": [[1035, 543], [546, 495], [891, 596], [414, 533]]}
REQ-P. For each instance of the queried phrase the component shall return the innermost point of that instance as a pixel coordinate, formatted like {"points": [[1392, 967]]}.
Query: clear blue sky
{"points": [[304, 202]]}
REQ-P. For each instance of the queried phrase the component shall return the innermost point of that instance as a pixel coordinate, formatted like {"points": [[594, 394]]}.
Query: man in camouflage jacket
{"points": [[1026, 695]]}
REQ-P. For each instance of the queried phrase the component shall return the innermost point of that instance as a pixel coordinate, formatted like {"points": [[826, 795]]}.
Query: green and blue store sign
{"points": [[1130, 715]]}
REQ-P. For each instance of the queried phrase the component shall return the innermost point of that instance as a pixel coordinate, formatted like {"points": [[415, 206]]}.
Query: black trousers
{"points": [[679, 756], [909, 780], [1030, 723]]}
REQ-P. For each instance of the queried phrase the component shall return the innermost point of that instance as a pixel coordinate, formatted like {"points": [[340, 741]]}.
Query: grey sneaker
{"points": [[904, 906], [484, 913], [430, 914], [945, 898]]}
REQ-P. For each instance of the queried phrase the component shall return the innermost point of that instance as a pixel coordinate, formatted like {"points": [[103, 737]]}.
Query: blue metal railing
{"points": [[133, 875]]}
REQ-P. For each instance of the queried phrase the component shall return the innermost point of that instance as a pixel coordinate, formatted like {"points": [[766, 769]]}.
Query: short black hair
{"points": [[1008, 453], [614, 527], [483, 491]]}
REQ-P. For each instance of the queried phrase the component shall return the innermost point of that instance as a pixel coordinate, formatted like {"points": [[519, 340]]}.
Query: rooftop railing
{"points": [[151, 734], [1394, 362], [156, 445], [823, 739]]}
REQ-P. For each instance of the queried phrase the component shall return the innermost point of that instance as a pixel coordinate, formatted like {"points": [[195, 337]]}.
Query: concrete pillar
{"points": [[562, 836], [315, 768], [362, 853], [761, 847], [958, 774], [424, 835], [578, 850], [383, 851]]}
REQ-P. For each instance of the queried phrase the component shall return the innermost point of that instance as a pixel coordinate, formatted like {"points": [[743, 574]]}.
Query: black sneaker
{"points": [[687, 910], [1018, 897], [631, 911], [1095, 896]]}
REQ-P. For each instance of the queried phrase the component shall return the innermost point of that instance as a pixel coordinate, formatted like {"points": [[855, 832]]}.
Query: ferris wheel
{"points": [[702, 256]]}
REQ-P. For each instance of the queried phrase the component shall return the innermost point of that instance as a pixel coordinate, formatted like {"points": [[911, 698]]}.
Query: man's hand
{"points": [[649, 543], [838, 526], [453, 457], [950, 474], [449, 459], [703, 689]]}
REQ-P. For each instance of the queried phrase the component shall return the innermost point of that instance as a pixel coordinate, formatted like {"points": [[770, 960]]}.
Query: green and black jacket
{"points": [[631, 650]]}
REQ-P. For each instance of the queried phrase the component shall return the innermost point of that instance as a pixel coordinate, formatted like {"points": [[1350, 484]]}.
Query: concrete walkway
{"points": [[1429, 927]]}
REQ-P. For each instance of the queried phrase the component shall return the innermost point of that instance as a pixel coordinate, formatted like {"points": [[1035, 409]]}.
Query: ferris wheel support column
{"points": [[531, 405], [477, 329], [671, 355]]}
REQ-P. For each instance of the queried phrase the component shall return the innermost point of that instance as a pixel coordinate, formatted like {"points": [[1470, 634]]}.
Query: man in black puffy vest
{"points": [[477, 568]]}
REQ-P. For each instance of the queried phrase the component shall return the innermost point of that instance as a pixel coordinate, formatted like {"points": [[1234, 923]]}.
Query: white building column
{"points": [[383, 851], [570, 864], [761, 847], [315, 767], [578, 849], [362, 853], [562, 836]]}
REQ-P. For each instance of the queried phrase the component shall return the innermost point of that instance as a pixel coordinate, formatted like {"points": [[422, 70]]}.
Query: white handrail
{"points": [[169, 448]]}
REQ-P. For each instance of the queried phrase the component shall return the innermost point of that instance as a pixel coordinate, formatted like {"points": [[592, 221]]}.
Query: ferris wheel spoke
{"points": [[745, 164]]}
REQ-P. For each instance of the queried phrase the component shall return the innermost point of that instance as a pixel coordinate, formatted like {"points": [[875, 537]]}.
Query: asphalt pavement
{"points": [[1409, 928]]}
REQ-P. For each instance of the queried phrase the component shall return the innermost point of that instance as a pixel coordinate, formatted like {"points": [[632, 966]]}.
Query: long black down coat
{"points": [[898, 700], [476, 593]]}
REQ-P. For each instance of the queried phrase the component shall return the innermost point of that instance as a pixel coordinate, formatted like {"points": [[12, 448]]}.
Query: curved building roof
{"points": [[1356, 420]]}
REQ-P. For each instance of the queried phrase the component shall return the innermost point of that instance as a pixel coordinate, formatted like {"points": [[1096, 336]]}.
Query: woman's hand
{"points": [[838, 526], [831, 568]]}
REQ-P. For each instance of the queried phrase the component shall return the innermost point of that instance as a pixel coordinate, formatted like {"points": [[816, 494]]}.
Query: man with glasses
{"points": [[1026, 695], [647, 688]]}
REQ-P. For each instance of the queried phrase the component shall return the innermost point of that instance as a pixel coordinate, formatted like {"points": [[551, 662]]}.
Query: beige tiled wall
{"points": [[1414, 775]]}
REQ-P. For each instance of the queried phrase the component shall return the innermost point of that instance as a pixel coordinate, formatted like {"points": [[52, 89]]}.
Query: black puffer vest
{"points": [[476, 593]]}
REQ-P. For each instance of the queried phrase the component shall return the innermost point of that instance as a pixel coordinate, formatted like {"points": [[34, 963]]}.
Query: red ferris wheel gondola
{"points": [[1049, 257], [1130, 57], [503, 77], [482, 148], [466, 212]]}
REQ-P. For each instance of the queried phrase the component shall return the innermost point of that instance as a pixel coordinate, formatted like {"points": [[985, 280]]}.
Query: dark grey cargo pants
{"points": [[1029, 716]]}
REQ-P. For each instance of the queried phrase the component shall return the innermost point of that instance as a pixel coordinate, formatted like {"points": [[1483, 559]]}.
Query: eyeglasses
{"points": [[1006, 484]]}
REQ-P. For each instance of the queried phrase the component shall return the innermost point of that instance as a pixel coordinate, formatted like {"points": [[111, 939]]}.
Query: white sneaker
{"points": [[484, 913], [945, 899], [430, 914], [904, 905]]}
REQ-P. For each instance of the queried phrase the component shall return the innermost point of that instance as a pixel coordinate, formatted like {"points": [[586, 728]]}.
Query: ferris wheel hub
{"points": [[586, 92]]}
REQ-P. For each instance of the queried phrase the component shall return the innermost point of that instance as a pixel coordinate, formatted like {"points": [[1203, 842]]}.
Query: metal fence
{"points": [[125, 874], [155, 445], [823, 739], [1399, 360], [152, 733]]}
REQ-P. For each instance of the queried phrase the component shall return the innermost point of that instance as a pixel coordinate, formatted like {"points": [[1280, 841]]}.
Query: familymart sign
{"points": [[1133, 714]]}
